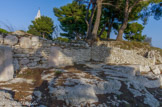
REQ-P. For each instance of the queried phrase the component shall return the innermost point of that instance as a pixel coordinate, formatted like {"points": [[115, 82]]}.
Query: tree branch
{"points": [[87, 13], [130, 9]]}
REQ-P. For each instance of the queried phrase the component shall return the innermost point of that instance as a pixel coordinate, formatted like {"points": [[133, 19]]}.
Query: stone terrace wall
{"points": [[29, 51], [111, 55], [33, 51]]}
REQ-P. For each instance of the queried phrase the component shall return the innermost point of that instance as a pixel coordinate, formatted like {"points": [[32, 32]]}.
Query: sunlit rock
{"points": [[10, 40], [25, 42], [155, 69], [6, 65], [57, 58]]}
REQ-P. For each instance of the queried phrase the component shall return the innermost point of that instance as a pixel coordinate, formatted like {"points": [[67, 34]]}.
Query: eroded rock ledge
{"points": [[97, 85]]}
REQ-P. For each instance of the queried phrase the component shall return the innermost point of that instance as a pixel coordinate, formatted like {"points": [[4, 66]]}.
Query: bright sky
{"points": [[20, 13]]}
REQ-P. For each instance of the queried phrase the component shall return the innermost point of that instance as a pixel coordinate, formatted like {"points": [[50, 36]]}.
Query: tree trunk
{"points": [[125, 22], [89, 31], [89, 23], [97, 21], [121, 30]]}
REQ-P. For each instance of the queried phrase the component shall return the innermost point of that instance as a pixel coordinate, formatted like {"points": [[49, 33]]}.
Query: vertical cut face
{"points": [[6, 64]]}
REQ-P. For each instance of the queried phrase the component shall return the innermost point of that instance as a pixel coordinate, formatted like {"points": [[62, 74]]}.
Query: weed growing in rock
{"points": [[57, 73]]}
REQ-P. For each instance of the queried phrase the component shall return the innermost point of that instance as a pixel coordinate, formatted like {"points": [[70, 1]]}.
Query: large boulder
{"points": [[59, 59], [155, 69], [10, 40], [25, 42], [6, 65]]}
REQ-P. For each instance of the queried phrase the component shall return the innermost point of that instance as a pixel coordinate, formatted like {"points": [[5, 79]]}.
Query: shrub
{"points": [[62, 39], [42, 26], [3, 31], [58, 73]]}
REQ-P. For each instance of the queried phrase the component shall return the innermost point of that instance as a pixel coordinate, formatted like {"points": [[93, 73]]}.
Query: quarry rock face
{"points": [[35, 41], [10, 40], [58, 59], [25, 42], [6, 65]]}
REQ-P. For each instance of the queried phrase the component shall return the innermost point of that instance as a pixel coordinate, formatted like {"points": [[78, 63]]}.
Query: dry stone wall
{"points": [[33, 51], [28, 51]]}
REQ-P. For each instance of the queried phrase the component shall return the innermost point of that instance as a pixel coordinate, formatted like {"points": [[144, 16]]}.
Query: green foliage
{"points": [[42, 27], [104, 35], [114, 13], [157, 10], [134, 32], [112, 17], [72, 19], [57, 73], [3, 31], [62, 39]]}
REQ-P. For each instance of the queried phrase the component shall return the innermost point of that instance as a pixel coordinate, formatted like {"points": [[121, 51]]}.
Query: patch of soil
{"points": [[22, 90]]}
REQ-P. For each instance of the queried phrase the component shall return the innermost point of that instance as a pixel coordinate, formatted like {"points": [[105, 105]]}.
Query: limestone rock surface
{"points": [[10, 40], [155, 69], [25, 42], [6, 64], [57, 58]]}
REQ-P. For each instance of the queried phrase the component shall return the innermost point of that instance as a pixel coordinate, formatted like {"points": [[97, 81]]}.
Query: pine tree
{"points": [[133, 32], [42, 26], [72, 19]]}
